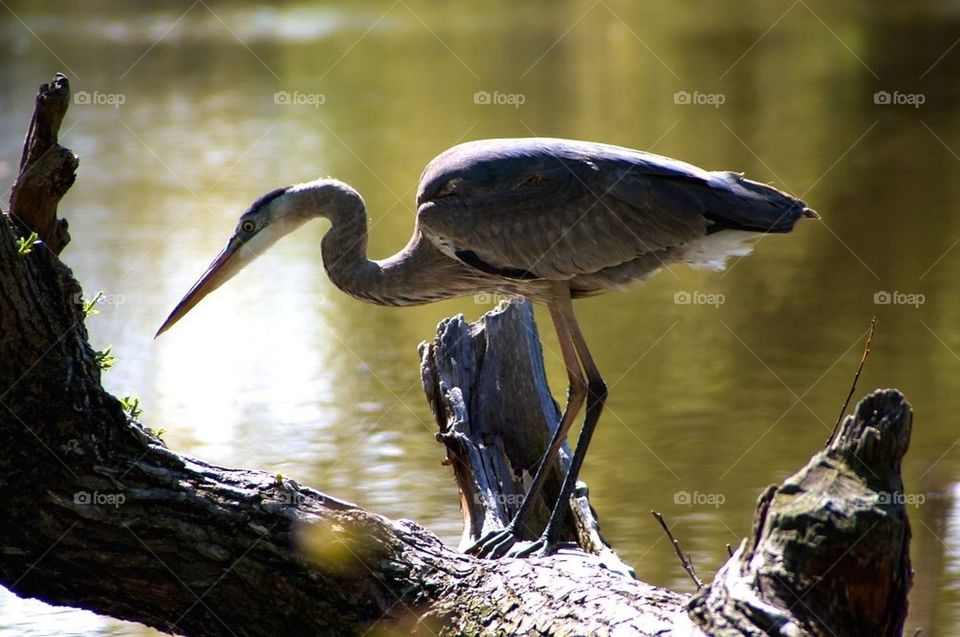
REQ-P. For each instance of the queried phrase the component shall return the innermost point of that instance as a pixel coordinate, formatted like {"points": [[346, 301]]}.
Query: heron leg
{"points": [[596, 396], [499, 542]]}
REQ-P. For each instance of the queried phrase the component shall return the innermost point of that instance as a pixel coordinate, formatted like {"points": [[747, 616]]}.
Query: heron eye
{"points": [[248, 226]]}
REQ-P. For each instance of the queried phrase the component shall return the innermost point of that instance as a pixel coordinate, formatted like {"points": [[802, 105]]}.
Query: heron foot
{"points": [[538, 548], [494, 544], [505, 543]]}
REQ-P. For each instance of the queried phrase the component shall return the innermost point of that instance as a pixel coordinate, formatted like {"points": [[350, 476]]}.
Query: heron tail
{"points": [[742, 204]]}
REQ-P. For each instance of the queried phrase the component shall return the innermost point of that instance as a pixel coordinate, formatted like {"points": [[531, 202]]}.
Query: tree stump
{"points": [[47, 170]]}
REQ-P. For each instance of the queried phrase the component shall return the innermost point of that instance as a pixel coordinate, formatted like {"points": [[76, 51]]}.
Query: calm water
{"points": [[282, 372]]}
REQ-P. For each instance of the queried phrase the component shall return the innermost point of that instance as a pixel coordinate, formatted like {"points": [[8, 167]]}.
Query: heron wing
{"points": [[553, 209]]}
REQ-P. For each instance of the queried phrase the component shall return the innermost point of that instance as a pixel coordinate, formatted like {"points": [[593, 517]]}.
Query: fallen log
{"points": [[98, 513]]}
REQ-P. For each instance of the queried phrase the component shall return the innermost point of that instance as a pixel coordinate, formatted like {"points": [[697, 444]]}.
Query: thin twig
{"points": [[729, 550], [856, 377], [684, 558]]}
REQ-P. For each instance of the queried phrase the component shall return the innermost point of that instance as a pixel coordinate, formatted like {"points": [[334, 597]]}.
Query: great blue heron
{"points": [[548, 219]]}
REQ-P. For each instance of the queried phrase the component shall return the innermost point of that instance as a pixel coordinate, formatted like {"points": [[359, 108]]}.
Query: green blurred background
{"points": [[282, 372]]}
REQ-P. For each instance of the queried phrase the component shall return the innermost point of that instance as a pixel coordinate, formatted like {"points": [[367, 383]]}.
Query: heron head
{"points": [[271, 217]]}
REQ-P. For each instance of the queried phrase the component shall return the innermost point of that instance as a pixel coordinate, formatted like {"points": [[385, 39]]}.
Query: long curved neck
{"points": [[344, 248], [407, 278]]}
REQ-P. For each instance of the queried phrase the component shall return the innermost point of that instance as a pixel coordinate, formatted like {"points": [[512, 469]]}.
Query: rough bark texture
{"points": [[47, 170], [829, 553], [98, 513], [494, 445], [464, 372]]}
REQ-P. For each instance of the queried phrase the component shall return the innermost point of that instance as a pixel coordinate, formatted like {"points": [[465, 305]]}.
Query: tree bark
{"points": [[47, 170], [97, 513], [494, 446], [829, 554]]}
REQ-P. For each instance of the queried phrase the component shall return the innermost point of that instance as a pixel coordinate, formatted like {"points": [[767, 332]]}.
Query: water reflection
{"points": [[280, 371]]}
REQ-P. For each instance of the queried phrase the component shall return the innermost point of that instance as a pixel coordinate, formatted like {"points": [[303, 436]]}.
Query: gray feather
{"points": [[581, 207]]}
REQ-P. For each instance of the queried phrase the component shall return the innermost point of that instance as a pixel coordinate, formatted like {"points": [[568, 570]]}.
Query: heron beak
{"points": [[230, 261]]}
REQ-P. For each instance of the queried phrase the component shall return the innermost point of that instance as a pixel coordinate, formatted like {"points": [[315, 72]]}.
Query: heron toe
{"points": [[494, 544]]}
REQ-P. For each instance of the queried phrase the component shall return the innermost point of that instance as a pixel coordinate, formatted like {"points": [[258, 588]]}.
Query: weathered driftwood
{"points": [[494, 445], [98, 513]]}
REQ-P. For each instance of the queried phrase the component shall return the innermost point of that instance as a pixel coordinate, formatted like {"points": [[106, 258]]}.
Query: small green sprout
{"points": [[104, 359], [278, 480], [131, 405], [25, 244], [89, 307]]}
